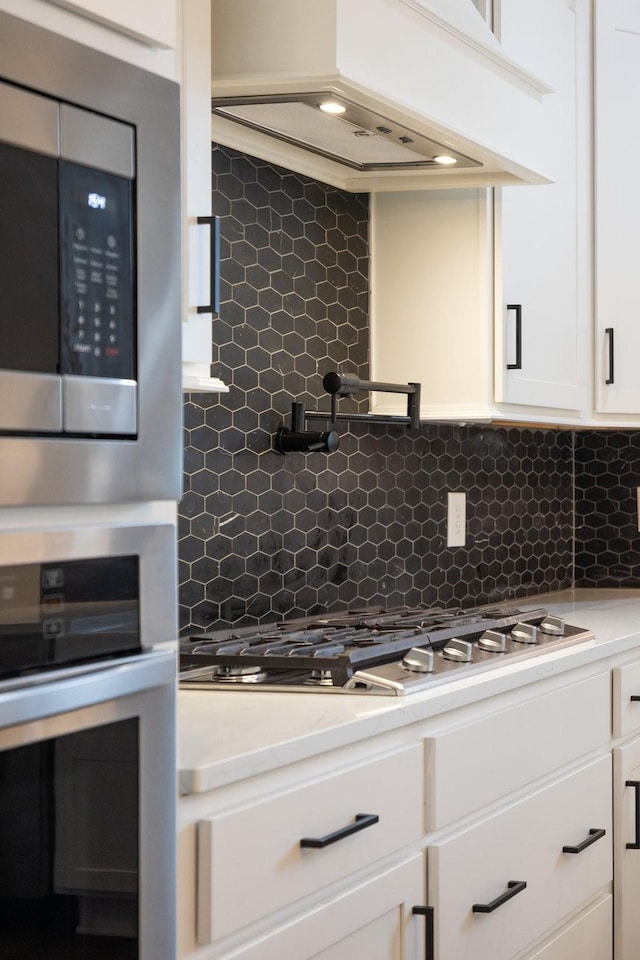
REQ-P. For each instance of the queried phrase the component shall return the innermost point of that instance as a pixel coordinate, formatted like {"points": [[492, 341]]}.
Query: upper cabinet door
{"points": [[617, 131], [542, 247]]}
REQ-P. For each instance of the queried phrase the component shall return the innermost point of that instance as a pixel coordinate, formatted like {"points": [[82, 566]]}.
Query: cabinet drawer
{"points": [[477, 764], [524, 843], [626, 712], [373, 921], [589, 937], [251, 862]]}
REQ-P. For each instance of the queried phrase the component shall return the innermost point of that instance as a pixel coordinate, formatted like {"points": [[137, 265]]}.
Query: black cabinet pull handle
{"points": [[636, 786], [214, 296], [513, 888], [634, 699], [518, 309], [594, 835], [427, 913], [363, 820], [609, 333]]}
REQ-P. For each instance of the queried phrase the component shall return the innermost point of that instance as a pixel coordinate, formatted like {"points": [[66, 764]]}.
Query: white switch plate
{"points": [[456, 519]]}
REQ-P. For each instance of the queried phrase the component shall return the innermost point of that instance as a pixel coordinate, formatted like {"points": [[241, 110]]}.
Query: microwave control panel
{"points": [[96, 292]]}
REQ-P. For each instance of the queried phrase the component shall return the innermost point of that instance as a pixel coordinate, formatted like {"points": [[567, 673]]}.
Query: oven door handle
{"points": [[362, 821]]}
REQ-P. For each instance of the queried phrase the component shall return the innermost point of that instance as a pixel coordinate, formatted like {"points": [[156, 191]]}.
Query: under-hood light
{"points": [[332, 106], [445, 160]]}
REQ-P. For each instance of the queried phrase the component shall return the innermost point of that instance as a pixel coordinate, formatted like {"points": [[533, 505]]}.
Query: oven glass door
{"points": [[69, 835], [86, 826]]}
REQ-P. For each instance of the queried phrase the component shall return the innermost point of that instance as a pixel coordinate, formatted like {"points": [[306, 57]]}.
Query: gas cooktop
{"points": [[389, 652]]}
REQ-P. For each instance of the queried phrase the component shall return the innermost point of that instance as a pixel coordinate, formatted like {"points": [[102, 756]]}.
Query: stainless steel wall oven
{"points": [[90, 302], [87, 743]]}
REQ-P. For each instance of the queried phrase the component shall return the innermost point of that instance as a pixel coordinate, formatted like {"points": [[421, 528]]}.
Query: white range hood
{"points": [[428, 98]]}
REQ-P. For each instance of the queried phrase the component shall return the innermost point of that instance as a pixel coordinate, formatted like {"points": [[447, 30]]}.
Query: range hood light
{"points": [[445, 160], [332, 106]]}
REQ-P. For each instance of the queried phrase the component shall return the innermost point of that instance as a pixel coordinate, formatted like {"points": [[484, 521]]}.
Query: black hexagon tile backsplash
{"points": [[263, 536], [607, 537]]}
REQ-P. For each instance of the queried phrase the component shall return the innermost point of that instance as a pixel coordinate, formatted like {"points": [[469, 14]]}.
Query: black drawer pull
{"points": [[214, 296], [594, 835], [513, 887], [518, 363], [427, 913], [363, 820], [609, 333], [636, 786], [634, 699]]}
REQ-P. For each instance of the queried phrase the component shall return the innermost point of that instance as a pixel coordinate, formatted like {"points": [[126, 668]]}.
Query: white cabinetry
{"points": [[320, 861], [542, 236], [449, 269], [626, 792], [468, 803], [503, 799], [500, 885], [200, 228], [617, 133], [627, 852], [257, 860], [588, 937], [373, 920], [472, 766]]}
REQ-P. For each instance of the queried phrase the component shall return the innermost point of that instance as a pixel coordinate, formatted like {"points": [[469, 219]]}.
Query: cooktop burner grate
{"points": [[375, 650]]}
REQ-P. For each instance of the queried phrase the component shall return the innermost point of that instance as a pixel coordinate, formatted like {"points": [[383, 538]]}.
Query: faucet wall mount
{"points": [[298, 439]]}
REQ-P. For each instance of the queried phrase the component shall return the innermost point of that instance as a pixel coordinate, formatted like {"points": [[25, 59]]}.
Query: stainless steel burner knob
{"points": [[460, 650], [552, 625], [419, 660], [525, 633], [493, 641]]}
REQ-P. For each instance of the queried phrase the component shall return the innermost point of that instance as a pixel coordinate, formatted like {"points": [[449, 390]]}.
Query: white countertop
{"points": [[227, 736]]}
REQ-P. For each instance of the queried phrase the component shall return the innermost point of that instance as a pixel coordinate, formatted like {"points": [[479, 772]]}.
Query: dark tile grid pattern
{"points": [[607, 538], [263, 535]]}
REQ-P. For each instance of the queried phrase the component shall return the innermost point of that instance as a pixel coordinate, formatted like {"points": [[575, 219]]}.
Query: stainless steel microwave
{"points": [[90, 285]]}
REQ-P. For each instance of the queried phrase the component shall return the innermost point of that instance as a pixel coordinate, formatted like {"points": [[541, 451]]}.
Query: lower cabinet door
{"points": [[373, 921], [499, 886], [588, 937], [626, 805]]}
